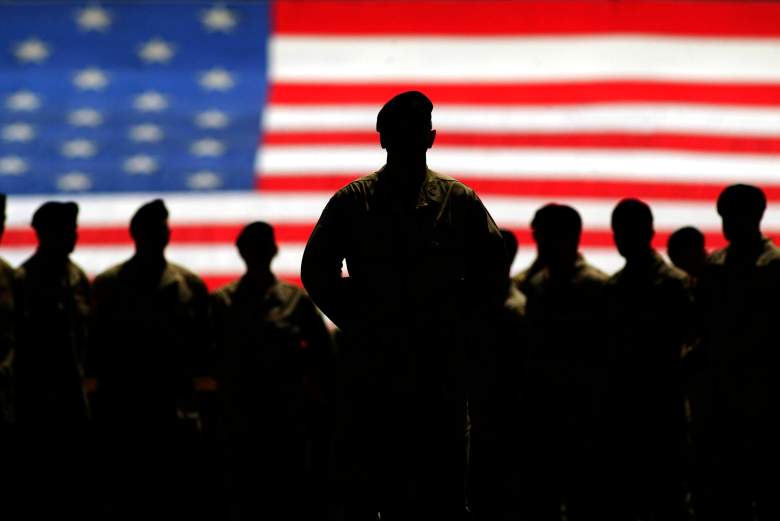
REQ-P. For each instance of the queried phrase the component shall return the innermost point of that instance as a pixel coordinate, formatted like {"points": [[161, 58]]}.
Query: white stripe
{"points": [[525, 59], [204, 259], [223, 260], [215, 208], [556, 119], [508, 163], [279, 208]]}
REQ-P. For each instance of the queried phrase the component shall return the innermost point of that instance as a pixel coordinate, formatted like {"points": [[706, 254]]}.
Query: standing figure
{"points": [[272, 355], [149, 341], [426, 264], [650, 321], [495, 406], [735, 407], [52, 310], [565, 372], [687, 251], [7, 338]]}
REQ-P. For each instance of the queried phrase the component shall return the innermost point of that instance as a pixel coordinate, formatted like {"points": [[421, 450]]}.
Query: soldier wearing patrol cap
{"points": [[734, 397], [273, 352], [149, 341], [52, 309], [426, 262]]}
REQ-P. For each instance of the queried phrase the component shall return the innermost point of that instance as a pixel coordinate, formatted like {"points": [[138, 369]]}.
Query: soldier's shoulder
{"points": [[718, 257], [770, 255], [361, 185], [225, 292], [590, 274], [110, 274], [516, 302], [6, 270], [185, 275], [288, 292]]}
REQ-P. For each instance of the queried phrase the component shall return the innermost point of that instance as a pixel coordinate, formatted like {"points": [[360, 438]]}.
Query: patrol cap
{"points": [[150, 213], [634, 213], [741, 199], [257, 232], [54, 213], [557, 218], [412, 106]]}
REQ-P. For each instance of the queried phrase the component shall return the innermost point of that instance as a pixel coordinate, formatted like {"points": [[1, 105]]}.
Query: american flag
{"points": [[239, 111]]}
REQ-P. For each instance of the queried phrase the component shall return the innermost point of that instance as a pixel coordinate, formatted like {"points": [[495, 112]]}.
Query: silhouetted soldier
{"points": [[425, 259], [521, 278], [735, 415], [52, 307], [150, 338], [687, 252], [495, 405], [651, 317], [272, 352], [7, 337], [565, 376]]}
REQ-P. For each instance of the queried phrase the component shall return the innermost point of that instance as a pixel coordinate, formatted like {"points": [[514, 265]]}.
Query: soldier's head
{"points": [[741, 207], [556, 230], [55, 226], [404, 124], [2, 214], [257, 245], [632, 228], [687, 251], [149, 228], [510, 246]]}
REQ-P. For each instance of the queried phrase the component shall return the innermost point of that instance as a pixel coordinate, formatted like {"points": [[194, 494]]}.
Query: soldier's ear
{"points": [[431, 138]]}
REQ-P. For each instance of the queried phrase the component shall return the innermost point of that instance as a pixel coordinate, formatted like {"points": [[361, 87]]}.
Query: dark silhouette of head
{"points": [[55, 226], [510, 246], [687, 251], [556, 230], [2, 215], [741, 208], [149, 229], [632, 229], [257, 246], [404, 125]]}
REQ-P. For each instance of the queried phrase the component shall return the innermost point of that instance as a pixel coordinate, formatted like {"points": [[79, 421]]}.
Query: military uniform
{"points": [[565, 383], [7, 344], [150, 340], [272, 350], [495, 411], [419, 276], [650, 320], [735, 400]]}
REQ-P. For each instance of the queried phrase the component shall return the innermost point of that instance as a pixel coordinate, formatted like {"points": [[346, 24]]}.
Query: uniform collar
{"points": [[431, 192]]}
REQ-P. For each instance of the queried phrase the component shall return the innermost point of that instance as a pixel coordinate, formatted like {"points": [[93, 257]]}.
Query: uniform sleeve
{"points": [[322, 262], [487, 264]]}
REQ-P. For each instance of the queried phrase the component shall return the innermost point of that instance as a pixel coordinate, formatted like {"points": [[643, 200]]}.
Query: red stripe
{"points": [[524, 187], [496, 17], [217, 281], [731, 144], [537, 93], [180, 234]]}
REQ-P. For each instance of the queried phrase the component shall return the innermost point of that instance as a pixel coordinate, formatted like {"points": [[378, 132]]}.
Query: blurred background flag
{"points": [[237, 111]]}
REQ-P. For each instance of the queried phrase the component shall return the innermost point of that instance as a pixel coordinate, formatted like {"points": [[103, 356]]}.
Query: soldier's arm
{"points": [[322, 262], [487, 262]]}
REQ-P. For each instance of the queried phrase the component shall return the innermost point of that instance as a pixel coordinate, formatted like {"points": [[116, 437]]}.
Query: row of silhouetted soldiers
{"points": [[448, 387]]}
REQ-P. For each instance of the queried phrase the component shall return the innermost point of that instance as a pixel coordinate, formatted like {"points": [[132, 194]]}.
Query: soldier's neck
{"points": [[153, 261], [260, 277], [407, 168], [52, 258]]}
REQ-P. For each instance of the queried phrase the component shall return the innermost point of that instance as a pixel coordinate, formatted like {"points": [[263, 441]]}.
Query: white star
{"points": [[19, 132], [140, 165], [150, 101], [90, 79], [156, 51], [93, 18], [12, 165], [207, 147], [31, 50], [216, 79], [146, 133], [78, 148], [204, 180], [218, 19], [23, 100], [85, 117], [212, 119], [74, 182]]}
